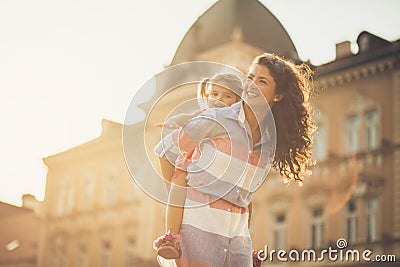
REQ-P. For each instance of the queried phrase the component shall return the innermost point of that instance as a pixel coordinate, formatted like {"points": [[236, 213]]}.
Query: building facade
{"points": [[20, 229], [352, 196], [95, 215]]}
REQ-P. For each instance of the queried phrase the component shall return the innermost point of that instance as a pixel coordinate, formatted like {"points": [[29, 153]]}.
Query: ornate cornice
{"points": [[351, 75]]}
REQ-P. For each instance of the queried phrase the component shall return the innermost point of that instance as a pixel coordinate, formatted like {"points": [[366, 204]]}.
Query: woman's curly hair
{"points": [[292, 115]]}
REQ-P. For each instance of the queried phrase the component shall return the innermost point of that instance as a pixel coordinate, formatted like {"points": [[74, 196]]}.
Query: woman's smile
{"points": [[251, 94]]}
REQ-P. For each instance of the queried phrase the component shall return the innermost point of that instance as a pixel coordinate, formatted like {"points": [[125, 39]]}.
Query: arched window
{"points": [[351, 221], [372, 129], [371, 219], [317, 227], [279, 231], [320, 146]]}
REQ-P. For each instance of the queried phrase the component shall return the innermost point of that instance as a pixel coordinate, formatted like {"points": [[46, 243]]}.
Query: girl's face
{"points": [[219, 97], [260, 87]]}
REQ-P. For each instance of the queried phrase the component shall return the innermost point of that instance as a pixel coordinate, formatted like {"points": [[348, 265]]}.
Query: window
{"points": [[111, 191], [88, 193], [106, 254], [59, 205], [372, 124], [353, 133], [320, 143], [59, 259], [65, 197], [317, 228], [371, 217], [69, 201], [351, 221], [280, 231], [82, 258], [130, 253], [62, 259]]}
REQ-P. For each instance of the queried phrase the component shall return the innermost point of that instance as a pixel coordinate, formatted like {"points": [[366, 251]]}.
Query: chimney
{"points": [[343, 50], [30, 202]]}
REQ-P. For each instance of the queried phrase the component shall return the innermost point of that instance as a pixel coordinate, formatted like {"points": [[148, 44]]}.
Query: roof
{"points": [[7, 210], [259, 27], [371, 47], [111, 131]]}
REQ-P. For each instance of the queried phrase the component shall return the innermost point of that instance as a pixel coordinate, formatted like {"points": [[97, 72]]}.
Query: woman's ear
{"points": [[278, 97]]}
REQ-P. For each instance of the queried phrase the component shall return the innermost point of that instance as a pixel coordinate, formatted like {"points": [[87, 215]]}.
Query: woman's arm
{"points": [[250, 207]]}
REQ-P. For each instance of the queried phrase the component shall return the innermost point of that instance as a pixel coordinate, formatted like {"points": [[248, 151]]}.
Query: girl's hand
{"points": [[179, 120], [167, 125]]}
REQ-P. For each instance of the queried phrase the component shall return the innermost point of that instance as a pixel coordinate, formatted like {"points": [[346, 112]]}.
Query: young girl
{"points": [[222, 90], [215, 233]]}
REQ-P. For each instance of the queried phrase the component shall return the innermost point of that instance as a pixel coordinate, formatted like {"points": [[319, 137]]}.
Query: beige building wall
{"points": [[20, 229], [352, 193], [95, 215]]}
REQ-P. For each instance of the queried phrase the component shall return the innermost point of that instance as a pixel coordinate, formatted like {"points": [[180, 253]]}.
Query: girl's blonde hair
{"points": [[231, 81]]}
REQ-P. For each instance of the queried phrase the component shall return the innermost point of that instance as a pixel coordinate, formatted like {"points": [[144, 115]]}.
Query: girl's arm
{"points": [[179, 120], [167, 170]]}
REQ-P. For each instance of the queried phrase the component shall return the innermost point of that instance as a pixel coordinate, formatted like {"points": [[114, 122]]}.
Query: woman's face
{"points": [[219, 96], [259, 87]]}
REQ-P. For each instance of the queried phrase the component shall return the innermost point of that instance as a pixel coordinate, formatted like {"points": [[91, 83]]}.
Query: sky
{"points": [[67, 64]]}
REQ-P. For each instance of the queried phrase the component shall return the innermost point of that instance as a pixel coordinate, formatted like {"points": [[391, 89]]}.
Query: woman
{"points": [[226, 154]]}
